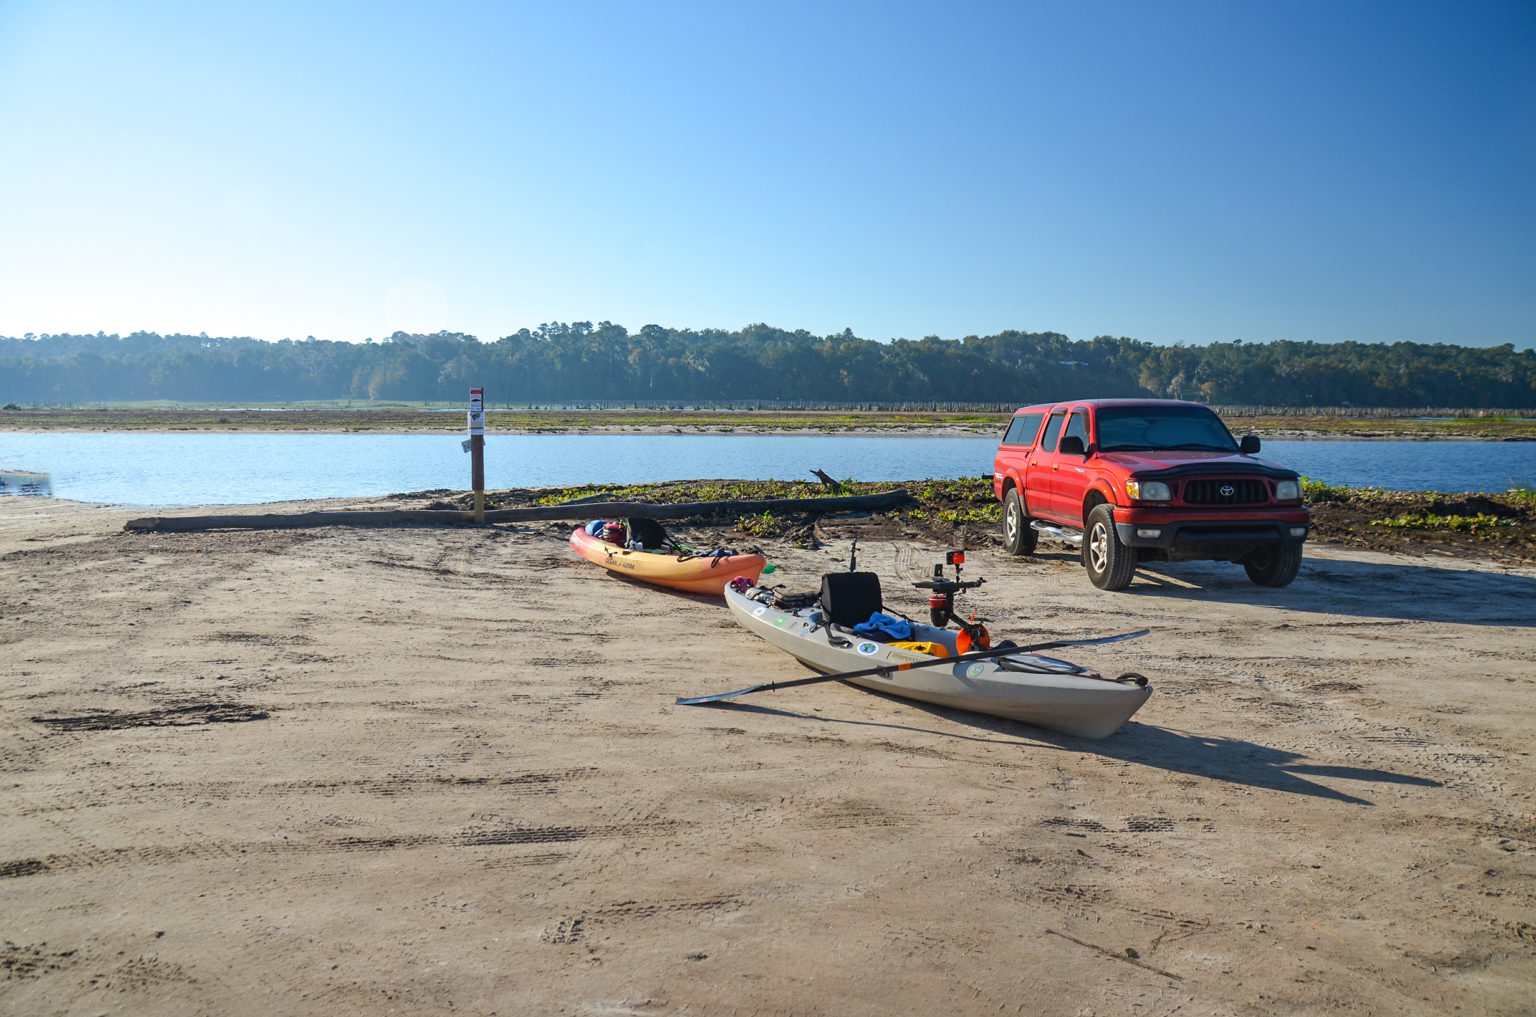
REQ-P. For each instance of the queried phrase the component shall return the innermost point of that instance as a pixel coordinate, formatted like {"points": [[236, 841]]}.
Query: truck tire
{"points": [[1275, 565], [1110, 563], [1018, 536]]}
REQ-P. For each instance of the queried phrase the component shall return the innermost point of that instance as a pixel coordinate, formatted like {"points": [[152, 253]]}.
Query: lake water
{"points": [[167, 470]]}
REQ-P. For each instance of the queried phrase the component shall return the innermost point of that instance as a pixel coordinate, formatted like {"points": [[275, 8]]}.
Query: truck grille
{"points": [[1225, 492]]}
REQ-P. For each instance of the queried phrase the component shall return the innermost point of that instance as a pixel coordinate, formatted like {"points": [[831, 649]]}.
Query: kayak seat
{"points": [[849, 598], [648, 532]]}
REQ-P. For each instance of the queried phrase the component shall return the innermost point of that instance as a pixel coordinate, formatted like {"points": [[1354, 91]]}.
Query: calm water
{"points": [[239, 469]]}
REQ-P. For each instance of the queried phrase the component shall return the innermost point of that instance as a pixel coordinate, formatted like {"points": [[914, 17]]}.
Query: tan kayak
{"points": [[694, 573]]}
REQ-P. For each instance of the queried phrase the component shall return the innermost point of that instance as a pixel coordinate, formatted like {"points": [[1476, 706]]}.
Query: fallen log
{"points": [[534, 513]]}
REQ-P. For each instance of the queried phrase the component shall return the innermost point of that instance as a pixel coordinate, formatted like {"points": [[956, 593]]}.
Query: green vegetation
{"points": [[763, 367], [1524, 494], [763, 524], [966, 501], [1375, 423], [964, 513], [1315, 492], [1480, 523], [673, 492], [423, 420], [122, 418]]}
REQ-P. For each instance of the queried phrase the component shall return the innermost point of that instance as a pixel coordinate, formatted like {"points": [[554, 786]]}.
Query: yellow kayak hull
{"points": [[692, 574]]}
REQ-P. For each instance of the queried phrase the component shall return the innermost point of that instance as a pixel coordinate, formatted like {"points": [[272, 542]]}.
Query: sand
{"points": [[421, 771]]}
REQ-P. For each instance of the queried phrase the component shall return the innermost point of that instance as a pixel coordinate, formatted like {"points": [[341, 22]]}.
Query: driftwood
{"points": [[827, 482], [569, 511]]}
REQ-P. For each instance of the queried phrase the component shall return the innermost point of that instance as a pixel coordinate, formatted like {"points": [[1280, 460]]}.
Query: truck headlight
{"points": [[1148, 490], [1288, 490]]}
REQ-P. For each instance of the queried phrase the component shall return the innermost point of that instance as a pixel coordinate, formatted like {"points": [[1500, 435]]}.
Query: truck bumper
{"points": [[1209, 540]]}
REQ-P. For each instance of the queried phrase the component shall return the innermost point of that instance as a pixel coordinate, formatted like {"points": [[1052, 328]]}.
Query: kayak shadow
{"points": [[648, 587], [1228, 760], [1408, 591], [1238, 762]]}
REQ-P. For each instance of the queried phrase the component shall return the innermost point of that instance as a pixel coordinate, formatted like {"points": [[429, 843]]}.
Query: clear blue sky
{"points": [[1175, 172]]}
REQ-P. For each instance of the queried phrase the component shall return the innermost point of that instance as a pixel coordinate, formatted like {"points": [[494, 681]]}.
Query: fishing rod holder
{"points": [[942, 590]]}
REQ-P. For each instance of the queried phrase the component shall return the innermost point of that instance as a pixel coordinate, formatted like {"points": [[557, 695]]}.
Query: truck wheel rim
{"points": [[1012, 524], [1098, 548]]}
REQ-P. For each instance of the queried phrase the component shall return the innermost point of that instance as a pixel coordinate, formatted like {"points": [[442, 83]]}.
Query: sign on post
{"points": [[476, 411]]}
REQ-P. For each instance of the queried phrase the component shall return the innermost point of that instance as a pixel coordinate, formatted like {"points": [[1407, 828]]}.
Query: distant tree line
{"points": [[581, 362]]}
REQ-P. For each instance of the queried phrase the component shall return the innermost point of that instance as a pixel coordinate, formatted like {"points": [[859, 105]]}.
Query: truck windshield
{"points": [[1144, 428]]}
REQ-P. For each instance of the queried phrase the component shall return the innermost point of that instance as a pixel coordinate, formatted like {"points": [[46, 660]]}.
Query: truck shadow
{"points": [[1228, 760], [1409, 591]]}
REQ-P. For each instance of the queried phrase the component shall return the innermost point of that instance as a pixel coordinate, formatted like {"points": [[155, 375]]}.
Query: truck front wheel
{"points": [[1018, 536], [1275, 565], [1110, 563]]}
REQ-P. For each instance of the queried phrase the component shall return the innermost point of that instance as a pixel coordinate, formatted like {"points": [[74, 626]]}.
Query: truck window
{"points": [[1052, 431], [1155, 428], [1078, 424], [1023, 429]]}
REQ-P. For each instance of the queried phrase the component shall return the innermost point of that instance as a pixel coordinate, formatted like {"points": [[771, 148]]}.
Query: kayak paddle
{"points": [[907, 665]]}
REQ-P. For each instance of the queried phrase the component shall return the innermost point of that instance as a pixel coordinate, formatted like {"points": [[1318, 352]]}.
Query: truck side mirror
{"points": [[1249, 445], [1071, 445]]}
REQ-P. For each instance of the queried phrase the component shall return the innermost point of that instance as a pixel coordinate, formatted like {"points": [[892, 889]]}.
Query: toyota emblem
{"points": [[1227, 490]]}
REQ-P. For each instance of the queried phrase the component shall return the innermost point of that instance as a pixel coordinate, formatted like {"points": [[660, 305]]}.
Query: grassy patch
{"points": [[763, 524], [1320, 492], [1464, 428], [1483, 522]]}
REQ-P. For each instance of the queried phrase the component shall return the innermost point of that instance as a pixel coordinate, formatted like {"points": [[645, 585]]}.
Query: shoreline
{"points": [[1495, 528], [868, 423], [662, 430]]}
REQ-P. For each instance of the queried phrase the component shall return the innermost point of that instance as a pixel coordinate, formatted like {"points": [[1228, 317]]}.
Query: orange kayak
{"points": [[679, 571]]}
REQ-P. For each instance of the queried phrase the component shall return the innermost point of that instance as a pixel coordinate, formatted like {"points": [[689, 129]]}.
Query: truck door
{"points": [[1039, 489], [1069, 474]]}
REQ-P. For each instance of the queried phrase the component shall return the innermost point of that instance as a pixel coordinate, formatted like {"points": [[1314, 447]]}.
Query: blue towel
{"points": [[883, 626]]}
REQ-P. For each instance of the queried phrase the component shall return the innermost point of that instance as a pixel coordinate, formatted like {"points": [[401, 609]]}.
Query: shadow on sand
{"points": [[1223, 759], [1409, 591]]}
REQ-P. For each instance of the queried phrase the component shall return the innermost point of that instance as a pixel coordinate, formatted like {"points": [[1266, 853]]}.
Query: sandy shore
{"points": [[441, 771]]}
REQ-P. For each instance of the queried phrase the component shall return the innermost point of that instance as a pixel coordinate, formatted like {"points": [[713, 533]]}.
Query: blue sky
{"points": [[1174, 172]]}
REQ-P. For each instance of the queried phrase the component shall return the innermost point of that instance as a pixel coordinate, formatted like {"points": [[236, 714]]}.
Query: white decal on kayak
{"points": [[868, 648], [759, 612], [975, 670]]}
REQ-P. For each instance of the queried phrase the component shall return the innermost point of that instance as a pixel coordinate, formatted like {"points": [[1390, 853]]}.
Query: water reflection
{"points": [[24, 482]]}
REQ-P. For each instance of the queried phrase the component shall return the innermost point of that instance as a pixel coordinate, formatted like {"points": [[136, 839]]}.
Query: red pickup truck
{"points": [[1134, 480]]}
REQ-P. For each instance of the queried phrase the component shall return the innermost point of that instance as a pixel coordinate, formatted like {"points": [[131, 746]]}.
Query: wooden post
{"points": [[477, 474], [477, 450]]}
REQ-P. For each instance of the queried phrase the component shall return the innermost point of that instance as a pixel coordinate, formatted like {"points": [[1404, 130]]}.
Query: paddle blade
{"points": [[717, 697]]}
